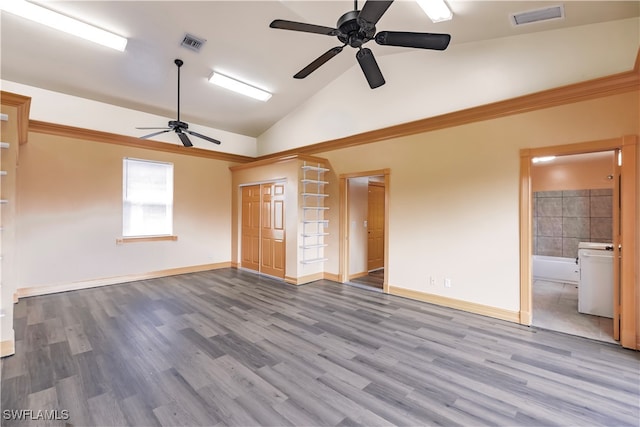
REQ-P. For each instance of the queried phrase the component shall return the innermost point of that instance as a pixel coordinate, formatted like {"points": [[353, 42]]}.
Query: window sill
{"points": [[122, 240]]}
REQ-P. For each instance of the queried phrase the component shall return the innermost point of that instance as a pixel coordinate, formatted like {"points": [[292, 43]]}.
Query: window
{"points": [[147, 198]]}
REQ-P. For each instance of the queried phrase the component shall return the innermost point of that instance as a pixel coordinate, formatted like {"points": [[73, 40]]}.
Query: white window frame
{"points": [[135, 227]]}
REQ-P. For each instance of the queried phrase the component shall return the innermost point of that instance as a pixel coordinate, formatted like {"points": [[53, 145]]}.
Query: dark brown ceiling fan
{"points": [[177, 126], [357, 27]]}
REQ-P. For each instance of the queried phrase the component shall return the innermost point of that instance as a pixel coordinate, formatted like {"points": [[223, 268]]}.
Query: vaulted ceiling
{"points": [[238, 43]]}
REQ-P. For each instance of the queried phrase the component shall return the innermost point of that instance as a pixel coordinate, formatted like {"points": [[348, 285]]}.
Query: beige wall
{"points": [[454, 199], [588, 173], [70, 213]]}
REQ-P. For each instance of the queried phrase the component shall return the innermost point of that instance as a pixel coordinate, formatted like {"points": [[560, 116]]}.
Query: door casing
{"points": [[628, 238], [344, 223]]}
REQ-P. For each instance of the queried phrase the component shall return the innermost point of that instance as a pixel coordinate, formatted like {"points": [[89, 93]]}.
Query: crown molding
{"points": [[278, 159], [23, 104], [37, 126]]}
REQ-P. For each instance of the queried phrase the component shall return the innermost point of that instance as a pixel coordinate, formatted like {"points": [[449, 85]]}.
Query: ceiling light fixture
{"points": [[543, 159], [436, 10], [531, 16], [238, 86], [60, 22]]}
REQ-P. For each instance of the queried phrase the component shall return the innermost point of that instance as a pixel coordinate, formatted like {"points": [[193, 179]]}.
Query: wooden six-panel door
{"points": [[375, 227], [263, 233], [250, 252]]}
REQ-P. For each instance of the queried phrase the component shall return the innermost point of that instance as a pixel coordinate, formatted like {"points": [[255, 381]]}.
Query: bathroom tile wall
{"points": [[562, 219]]}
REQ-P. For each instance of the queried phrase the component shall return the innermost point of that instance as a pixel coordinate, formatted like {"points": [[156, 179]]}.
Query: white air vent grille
{"points": [[546, 14], [192, 42]]}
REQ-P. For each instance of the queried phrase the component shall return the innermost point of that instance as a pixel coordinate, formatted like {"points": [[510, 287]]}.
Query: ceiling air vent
{"points": [[546, 14], [192, 42]]}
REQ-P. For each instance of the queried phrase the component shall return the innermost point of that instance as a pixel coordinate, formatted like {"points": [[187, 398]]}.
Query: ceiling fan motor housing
{"points": [[178, 124], [350, 31]]}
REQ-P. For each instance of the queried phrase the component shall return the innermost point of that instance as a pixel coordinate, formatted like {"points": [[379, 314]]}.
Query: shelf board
{"points": [[313, 181], [314, 260], [315, 194], [320, 245], [315, 168], [316, 221], [317, 208], [314, 234]]}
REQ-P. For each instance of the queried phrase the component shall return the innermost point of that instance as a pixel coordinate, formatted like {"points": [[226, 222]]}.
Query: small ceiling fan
{"points": [[357, 27], [177, 126]]}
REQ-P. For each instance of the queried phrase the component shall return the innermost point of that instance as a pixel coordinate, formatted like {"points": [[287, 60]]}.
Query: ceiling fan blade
{"points": [[153, 134], [215, 141], [371, 13], [418, 40], [370, 68], [318, 62], [305, 28], [185, 139]]}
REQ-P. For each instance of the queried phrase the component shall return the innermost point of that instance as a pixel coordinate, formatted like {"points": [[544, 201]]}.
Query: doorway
{"points": [[573, 210], [364, 229], [263, 228], [624, 236]]}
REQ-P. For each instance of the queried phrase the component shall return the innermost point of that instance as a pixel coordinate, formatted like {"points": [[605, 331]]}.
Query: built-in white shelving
{"points": [[313, 185]]}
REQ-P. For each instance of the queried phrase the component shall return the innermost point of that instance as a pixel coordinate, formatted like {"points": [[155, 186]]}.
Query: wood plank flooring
{"points": [[375, 279], [228, 347]]}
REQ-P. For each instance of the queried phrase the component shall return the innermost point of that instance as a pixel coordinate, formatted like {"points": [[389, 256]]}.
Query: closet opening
{"points": [[263, 244]]}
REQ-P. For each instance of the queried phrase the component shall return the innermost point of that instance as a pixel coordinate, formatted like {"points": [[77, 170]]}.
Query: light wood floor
{"points": [[230, 348]]}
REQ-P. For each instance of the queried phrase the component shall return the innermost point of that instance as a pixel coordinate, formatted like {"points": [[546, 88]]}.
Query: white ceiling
{"points": [[239, 44]]}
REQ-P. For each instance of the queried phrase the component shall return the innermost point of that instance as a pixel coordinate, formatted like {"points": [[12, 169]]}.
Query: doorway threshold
{"points": [[363, 286]]}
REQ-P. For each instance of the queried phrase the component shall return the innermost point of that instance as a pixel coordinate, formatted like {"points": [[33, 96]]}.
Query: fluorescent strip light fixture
{"points": [[436, 10], [238, 86], [60, 22], [543, 159]]}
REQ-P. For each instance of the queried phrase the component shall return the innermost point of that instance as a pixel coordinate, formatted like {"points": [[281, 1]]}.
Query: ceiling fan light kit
{"points": [[357, 27]]}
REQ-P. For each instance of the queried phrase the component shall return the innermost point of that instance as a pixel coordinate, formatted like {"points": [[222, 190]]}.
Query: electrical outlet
{"points": [[447, 282], [432, 281]]}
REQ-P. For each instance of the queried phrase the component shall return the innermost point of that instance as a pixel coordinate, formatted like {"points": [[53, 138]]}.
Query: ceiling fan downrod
{"points": [[179, 63]]}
